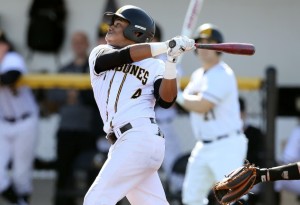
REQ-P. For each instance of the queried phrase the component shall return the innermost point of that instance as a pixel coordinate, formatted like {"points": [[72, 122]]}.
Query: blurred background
{"points": [[271, 25]]}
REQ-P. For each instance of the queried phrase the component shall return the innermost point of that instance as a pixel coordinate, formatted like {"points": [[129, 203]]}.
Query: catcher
{"points": [[240, 181]]}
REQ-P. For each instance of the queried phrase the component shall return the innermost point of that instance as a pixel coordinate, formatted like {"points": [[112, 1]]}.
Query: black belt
{"points": [[112, 138], [220, 137], [128, 126], [13, 119]]}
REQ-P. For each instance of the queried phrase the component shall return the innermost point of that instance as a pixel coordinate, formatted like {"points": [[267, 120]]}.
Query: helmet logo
{"points": [[206, 33], [140, 27]]}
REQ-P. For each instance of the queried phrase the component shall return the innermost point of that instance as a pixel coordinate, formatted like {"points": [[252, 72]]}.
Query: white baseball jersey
{"points": [[137, 100], [217, 85], [13, 106]]}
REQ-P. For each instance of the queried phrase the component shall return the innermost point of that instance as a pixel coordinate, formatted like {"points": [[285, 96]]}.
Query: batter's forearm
{"points": [[140, 52], [111, 59], [147, 50], [133, 53]]}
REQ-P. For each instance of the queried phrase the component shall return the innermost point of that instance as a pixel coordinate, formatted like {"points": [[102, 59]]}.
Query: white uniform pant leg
{"points": [[210, 163], [134, 158], [5, 153], [148, 192], [173, 149], [228, 154], [172, 153], [24, 154], [198, 178]]}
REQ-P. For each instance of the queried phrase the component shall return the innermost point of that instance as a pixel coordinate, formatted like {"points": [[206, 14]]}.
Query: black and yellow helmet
{"points": [[139, 23], [210, 32]]}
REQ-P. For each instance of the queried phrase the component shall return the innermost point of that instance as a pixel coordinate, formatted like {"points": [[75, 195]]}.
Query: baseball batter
{"points": [[212, 99], [18, 127], [127, 82]]}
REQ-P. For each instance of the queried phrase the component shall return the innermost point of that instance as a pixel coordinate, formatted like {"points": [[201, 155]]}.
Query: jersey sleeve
{"points": [[13, 61], [93, 56], [159, 66]]}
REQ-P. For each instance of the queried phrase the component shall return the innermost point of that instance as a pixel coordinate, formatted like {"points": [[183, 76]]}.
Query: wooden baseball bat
{"points": [[232, 48], [190, 20]]}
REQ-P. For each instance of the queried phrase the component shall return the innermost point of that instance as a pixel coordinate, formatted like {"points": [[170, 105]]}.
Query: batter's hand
{"points": [[179, 45]]}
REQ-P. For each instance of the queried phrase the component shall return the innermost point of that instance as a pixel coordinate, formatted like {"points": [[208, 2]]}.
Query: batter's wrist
{"points": [[158, 48], [170, 71]]}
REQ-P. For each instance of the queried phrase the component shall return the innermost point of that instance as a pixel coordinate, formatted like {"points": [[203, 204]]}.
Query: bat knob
{"points": [[172, 43]]}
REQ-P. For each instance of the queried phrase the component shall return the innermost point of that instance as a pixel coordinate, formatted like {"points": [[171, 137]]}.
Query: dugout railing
{"points": [[267, 100]]}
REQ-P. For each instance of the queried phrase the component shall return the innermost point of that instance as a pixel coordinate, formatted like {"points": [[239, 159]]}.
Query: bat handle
{"points": [[172, 43]]}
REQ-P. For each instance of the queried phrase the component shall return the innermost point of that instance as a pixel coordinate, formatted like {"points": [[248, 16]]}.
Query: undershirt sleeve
{"points": [[159, 100], [112, 58]]}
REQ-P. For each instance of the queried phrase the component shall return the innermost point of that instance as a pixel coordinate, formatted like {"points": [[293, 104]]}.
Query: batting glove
{"points": [[179, 45]]}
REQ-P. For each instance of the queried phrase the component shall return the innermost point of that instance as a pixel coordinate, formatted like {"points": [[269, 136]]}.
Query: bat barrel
{"points": [[232, 48]]}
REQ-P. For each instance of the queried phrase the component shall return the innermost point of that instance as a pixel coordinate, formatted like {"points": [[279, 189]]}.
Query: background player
{"points": [[212, 99], [127, 81], [18, 127]]}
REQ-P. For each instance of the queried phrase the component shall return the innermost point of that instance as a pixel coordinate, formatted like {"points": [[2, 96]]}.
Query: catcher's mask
{"points": [[141, 26]]}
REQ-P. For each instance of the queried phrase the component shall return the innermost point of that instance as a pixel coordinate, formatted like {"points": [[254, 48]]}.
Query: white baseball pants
{"points": [[210, 163], [17, 143], [131, 170]]}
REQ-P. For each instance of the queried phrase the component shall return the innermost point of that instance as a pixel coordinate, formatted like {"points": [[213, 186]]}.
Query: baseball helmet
{"points": [[210, 32], [139, 23], [158, 32]]}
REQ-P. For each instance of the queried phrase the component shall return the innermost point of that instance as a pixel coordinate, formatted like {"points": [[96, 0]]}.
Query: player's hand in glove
{"points": [[179, 45], [236, 184]]}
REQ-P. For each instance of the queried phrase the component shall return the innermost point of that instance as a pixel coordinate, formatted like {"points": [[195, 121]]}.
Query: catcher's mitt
{"points": [[236, 184]]}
